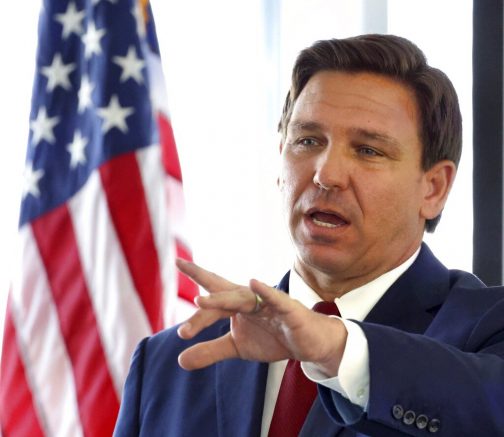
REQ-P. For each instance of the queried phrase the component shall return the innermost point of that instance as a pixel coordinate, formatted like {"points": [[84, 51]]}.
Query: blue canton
{"points": [[90, 99]]}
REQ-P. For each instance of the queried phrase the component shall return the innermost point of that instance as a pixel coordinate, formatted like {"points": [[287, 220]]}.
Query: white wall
{"points": [[18, 33], [443, 30]]}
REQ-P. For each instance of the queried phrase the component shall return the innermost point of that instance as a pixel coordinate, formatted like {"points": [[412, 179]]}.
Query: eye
{"points": [[368, 151], [307, 142]]}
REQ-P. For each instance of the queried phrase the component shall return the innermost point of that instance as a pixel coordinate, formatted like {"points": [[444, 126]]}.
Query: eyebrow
{"points": [[300, 125], [304, 125], [375, 135]]}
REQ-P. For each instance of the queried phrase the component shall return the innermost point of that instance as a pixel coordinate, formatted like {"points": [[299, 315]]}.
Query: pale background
{"points": [[227, 66]]}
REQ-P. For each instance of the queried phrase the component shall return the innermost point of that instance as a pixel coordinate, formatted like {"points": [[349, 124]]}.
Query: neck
{"points": [[327, 286], [332, 285]]}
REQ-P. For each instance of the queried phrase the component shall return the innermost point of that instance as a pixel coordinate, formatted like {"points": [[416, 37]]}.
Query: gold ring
{"points": [[258, 303]]}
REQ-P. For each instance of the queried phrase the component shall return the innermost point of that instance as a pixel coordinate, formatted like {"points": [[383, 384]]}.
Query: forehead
{"points": [[358, 100]]}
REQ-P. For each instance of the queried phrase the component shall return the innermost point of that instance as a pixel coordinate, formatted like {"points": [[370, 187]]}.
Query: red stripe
{"points": [[169, 153], [123, 187], [18, 416], [96, 397], [187, 289]]}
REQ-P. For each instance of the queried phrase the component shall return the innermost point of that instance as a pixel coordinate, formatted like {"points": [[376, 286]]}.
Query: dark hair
{"points": [[440, 119]]}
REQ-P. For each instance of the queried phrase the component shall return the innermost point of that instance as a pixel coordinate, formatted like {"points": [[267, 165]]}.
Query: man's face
{"points": [[351, 179]]}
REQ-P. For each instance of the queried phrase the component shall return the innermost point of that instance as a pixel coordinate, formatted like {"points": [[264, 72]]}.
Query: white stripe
{"points": [[48, 366], [119, 313], [159, 95], [27, 362], [176, 208], [152, 172]]}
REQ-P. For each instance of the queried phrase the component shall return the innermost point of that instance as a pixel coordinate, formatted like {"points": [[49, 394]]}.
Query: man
{"points": [[371, 137]]}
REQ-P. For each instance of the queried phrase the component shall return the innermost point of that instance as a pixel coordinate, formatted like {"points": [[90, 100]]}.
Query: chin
{"points": [[326, 261]]}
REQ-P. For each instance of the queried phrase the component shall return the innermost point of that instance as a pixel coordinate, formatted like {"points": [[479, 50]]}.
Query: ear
{"points": [[438, 182]]}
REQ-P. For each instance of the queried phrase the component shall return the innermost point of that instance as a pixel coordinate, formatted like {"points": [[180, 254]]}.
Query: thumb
{"points": [[207, 353]]}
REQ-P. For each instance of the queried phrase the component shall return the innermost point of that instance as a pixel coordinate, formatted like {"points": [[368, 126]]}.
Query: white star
{"points": [[31, 180], [57, 73], [131, 66], [43, 126], [91, 40], [114, 115], [139, 18], [85, 91], [71, 20], [76, 149]]}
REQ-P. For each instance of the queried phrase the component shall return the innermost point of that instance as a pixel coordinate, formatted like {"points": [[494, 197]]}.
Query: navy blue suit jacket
{"points": [[436, 349]]}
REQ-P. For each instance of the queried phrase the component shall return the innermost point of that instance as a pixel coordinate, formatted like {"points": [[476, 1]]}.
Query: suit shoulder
{"points": [[471, 296], [463, 279], [477, 310], [471, 287], [169, 335]]}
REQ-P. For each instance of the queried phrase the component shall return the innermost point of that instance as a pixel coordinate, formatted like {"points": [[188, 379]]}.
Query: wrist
{"points": [[336, 336]]}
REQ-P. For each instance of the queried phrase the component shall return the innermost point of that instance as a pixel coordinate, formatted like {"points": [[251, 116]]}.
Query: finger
{"points": [[200, 320], [207, 353], [208, 280], [240, 300], [270, 296], [215, 307]]}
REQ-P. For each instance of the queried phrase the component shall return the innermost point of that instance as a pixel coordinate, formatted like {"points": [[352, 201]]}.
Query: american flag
{"points": [[101, 221]]}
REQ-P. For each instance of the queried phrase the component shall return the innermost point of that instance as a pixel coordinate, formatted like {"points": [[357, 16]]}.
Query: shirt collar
{"points": [[357, 303]]}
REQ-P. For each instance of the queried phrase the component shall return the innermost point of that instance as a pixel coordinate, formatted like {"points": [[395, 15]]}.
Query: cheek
{"points": [[293, 182], [398, 205], [289, 180], [289, 196], [386, 201]]}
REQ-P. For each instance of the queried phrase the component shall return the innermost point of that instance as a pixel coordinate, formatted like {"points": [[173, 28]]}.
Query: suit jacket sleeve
{"points": [[449, 380], [128, 423]]}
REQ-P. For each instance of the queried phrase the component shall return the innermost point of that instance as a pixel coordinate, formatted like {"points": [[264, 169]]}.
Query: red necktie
{"points": [[297, 392]]}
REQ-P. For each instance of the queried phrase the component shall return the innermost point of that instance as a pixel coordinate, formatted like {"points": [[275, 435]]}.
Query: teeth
{"points": [[324, 224]]}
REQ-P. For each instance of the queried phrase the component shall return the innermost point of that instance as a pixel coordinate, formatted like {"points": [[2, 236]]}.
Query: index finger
{"points": [[208, 280]]}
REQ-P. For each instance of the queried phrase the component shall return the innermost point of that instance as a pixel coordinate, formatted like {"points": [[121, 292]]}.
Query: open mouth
{"points": [[327, 219]]}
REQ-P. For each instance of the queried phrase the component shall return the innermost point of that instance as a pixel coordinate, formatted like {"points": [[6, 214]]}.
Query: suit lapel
{"points": [[240, 387], [240, 390], [412, 301]]}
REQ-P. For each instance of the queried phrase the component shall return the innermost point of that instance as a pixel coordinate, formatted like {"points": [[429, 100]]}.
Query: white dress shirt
{"points": [[352, 381]]}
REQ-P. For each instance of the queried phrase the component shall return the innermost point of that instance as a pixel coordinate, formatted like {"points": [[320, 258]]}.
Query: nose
{"points": [[332, 169]]}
